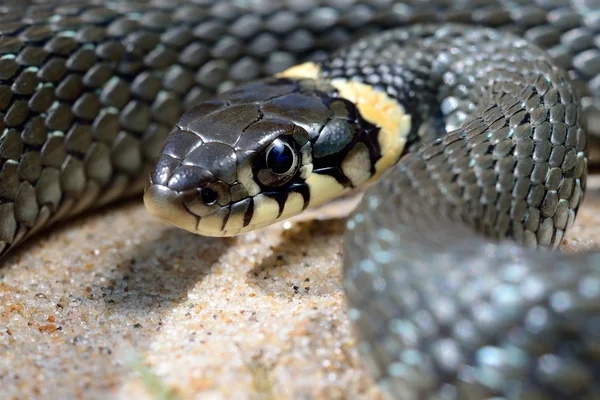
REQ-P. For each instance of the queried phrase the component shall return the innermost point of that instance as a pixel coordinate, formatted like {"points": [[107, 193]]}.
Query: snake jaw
{"points": [[248, 214], [164, 203], [182, 194], [181, 209]]}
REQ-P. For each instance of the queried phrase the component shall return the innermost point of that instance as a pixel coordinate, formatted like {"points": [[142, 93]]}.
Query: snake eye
{"points": [[280, 157], [209, 196], [277, 165]]}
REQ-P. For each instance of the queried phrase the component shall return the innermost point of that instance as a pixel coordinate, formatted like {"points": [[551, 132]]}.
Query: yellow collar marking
{"points": [[308, 70], [383, 111], [376, 107], [323, 188], [353, 165]]}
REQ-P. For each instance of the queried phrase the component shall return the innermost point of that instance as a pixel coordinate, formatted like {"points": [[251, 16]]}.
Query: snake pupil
{"points": [[280, 159], [209, 196]]}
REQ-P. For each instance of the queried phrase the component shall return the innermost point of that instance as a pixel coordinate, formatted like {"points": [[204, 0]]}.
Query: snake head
{"points": [[258, 154], [232, 165]]}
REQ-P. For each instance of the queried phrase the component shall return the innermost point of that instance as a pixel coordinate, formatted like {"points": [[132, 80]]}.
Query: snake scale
{"points": [[485, 100]]}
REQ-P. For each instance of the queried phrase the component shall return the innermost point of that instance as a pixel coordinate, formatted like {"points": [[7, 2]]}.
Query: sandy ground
{"points": [[118, 304]]}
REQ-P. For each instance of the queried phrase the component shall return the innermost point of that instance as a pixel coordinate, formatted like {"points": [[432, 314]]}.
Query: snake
{"points": [[464, 122]]}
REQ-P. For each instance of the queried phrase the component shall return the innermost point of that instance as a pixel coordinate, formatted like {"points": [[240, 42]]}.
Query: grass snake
{"points": [[485, 104]]}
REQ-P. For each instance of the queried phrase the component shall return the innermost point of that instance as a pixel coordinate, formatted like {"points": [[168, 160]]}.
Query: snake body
{"points": [[493, 149]]}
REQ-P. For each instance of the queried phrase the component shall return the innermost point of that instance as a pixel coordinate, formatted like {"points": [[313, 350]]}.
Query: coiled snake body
{"points": [[489, 128]]}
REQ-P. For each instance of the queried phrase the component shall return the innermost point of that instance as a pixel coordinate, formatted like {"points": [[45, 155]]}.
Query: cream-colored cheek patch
{"points": [[265, 213], [246, 178], [308, 70], [383, 111], [357, 164], [293, 205], [323, 188], [212, 223], [266, 209], [235, 222]]}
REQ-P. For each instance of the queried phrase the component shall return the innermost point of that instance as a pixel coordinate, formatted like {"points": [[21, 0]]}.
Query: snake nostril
{"points": [[164, 168], [209, 196], [189, 177]]}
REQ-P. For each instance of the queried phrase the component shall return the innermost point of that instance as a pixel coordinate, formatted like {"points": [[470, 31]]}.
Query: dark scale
{"points": [[122, 100], [141, 56], [496, 174], [400, 66], [339, 135]]}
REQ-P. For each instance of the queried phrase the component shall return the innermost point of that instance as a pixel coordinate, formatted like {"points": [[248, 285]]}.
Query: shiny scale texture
{"points": [[90, 89], [442, 310]]}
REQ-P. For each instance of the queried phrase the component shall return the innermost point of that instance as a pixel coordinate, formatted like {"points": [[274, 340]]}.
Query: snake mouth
{"points": [[164, 203], [248, 214]]}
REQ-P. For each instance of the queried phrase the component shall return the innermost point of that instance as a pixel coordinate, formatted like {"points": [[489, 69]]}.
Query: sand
{"points": [[118, 304]]}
